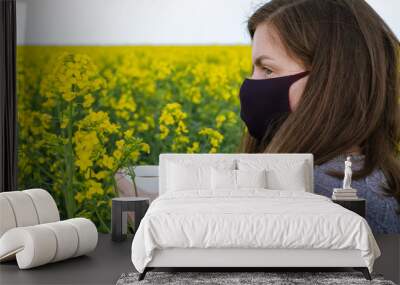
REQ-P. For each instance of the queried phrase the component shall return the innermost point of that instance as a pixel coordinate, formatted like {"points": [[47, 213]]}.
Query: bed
{"points": [[244, 211]]}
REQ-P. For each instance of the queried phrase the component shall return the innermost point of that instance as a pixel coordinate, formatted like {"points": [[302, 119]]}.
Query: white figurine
{"points": [[347, 174]]}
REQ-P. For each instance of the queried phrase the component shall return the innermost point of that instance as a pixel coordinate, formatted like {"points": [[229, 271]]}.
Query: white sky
{"points": [[150, 22]]}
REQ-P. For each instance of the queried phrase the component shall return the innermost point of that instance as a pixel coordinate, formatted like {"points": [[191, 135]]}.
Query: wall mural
{"points": [[85, 112]]}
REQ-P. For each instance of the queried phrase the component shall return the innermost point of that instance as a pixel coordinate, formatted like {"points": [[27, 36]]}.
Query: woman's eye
{"points": [[267, 71]]}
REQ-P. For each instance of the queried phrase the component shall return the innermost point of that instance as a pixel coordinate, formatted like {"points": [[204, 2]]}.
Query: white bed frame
{"points": [[250, 257]]}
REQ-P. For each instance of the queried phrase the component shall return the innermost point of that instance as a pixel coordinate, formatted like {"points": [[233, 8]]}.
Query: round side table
{"points": [[119, 208]]}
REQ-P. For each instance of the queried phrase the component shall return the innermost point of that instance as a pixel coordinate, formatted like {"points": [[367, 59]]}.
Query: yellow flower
{"points": [[164, 131], [108, 161], [182, 139], [49, 103], [99, 203], [128, 134], [98, 120], [79, 197], [232, 117], [150, 121], [101, 175], [220, 119], [215, 137], [88, 173], [143, 126], [84, 161], [88, 101], [194, 148], [145, 147], [117, 154], [179, 142], [69, 96], [134, 155], [162, 71], [167, 119], [110, 190], [85, 142], [172, 114], [64, 122], [181, 128], [120, 144], [94, 188], [214, 142], [45, 120], [213, 150], [194, 94]]}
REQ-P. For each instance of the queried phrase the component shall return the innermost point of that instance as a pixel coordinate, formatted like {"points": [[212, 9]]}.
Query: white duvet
{"points": [[251, 218]]}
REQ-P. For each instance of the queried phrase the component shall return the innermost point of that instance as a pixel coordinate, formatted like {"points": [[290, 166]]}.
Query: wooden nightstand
{"points": [[357, 206]]}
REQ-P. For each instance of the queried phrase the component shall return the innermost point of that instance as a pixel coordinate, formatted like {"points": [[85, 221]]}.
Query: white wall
{"points": [[109, 22]]}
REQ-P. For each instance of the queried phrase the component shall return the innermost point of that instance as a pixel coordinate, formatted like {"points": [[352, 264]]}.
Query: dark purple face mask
{"points": [[265, 100]]}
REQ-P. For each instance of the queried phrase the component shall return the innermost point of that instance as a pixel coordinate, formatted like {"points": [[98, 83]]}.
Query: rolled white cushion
{"points": [[33, 246], [67, 240], [23, 208], [87, 234], [40, 244], [46, 207], [26, 208], [7, 219]]}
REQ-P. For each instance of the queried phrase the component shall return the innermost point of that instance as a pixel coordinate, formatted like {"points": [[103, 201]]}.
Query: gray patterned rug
{"points": [[230, 278]]}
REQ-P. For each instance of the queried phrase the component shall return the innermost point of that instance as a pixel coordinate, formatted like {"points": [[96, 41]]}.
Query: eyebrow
{"points": [[260, 58]]}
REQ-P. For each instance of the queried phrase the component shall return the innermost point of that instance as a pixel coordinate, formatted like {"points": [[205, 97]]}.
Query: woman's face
{"points": [[271, 60]]}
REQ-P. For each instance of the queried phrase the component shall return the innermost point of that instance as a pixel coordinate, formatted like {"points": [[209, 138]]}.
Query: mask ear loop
{"points": [[293, 79], [297, 76]]}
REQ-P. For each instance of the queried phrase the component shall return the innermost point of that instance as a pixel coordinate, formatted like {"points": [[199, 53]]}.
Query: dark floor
{"points": [[110, 259], [102, 266]]}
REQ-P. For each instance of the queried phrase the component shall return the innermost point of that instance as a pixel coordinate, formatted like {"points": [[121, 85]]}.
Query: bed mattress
{"points": [[250, 219]]}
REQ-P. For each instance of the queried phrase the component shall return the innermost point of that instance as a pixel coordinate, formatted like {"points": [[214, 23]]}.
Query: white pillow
{"points": [[251, 178], [223, 179], [292, 179], [183, 177], [281, 174], [233, 179]]}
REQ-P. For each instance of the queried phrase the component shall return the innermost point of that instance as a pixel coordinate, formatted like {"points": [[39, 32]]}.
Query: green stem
{"points": [[114, 183], [70, 202], [102, 221], [64, 189], [132, 175], [51, 176]]}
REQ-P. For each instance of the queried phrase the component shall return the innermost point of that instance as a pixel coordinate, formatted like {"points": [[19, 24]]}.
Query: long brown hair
{"points": [[351, 97]]}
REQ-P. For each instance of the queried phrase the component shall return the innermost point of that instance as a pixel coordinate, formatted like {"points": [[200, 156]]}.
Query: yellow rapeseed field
{"points": [[85, 112]]}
